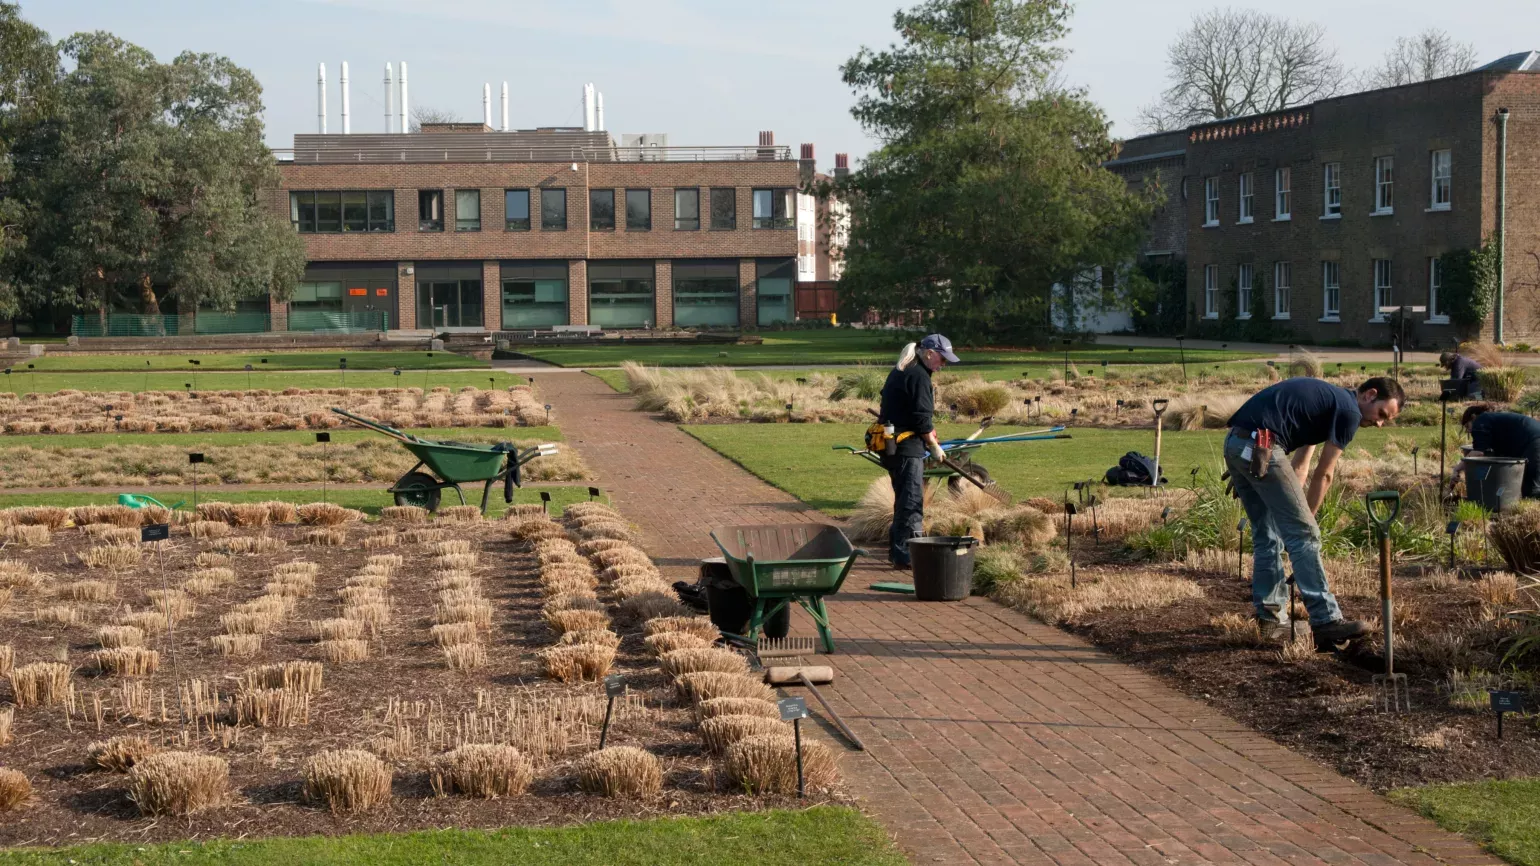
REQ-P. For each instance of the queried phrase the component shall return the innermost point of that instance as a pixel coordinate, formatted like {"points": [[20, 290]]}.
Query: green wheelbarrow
{"points": [[782, 563], [451, 464]]}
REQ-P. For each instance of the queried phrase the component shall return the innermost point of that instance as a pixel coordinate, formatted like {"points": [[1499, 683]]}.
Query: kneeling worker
{"points": [[1291, 418], [1504, 434], [908, 402]]}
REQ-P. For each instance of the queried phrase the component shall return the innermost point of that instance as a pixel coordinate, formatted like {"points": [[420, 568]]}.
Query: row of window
{"points": [[1440, 166], [328, 211], [1331, 290]]}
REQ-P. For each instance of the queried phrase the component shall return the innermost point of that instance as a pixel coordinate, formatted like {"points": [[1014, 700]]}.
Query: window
{"points": [[534, 294], [1382, 294], [1243, 292], [1440, 192], [516, 209], [620, 294], [315, 305], [724, 209], [1384, 184], [687, 210], [467, 210], [773, 209], [553, 210], [343, 211], [638, 210], [1333, 176], [430, 210], [449, 297], [1211, 201], [1435, 283], [1248, 197], [706, 294], [1283, 286], [601, 210], [1211, 291], [1331, 290], [1283, 207], [775, 278]]}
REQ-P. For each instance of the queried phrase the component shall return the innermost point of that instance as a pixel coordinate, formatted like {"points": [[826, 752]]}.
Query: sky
{"points": [[706, 72]]}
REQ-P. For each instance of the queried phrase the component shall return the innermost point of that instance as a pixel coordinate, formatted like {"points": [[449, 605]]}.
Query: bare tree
{"points": [[1234, 62], [1428, 55], [422, 114]]}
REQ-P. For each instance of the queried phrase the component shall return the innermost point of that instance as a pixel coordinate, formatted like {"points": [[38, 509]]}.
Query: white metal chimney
{"points": [[346, 123], [320, 97], [406, 114], [505, 106], [588, 107], [486, 105], [390, 97], [599, 111]]}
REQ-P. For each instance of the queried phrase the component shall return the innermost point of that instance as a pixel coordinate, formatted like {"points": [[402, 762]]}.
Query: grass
{"points": [[22, 382], [1502, 815], [798, 458], [368, 501], [277, 360], [272, 437], [821, 834]]}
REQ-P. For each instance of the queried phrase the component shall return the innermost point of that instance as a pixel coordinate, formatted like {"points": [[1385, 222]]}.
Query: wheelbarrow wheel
{"points": [[418, 489], [957, 484]]}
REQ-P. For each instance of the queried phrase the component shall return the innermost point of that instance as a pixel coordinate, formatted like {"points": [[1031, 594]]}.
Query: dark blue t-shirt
{"points": [[1504, 434], [1300, 412]]}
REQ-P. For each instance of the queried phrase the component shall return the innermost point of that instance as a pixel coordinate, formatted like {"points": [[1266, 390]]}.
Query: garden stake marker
{"points": [[1069, 538], [593, 493], [1453, 529], [1067, 344], [1505, 702], [548, 413], [614, 687], [194, 459], [342, 368], [31, 378], [248, 377], [1415, 449], [1391, 690], [196, 363], [1160, 410], [158, 533], [545, 502], [1240, 552], [326, 469], [425, 369], [146, 375], [1181, 347], [794, 710]]}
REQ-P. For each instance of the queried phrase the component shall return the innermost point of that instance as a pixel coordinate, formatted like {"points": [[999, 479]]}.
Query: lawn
{"points": [[839, 346], [190, 378], [275, 360], [369, 501], [772, 838], [799, 458], [270, 437], [1502, 815]]}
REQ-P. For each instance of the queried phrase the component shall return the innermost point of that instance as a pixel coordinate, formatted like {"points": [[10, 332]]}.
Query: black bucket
{"points": [[730, 605], [943, 567], [1495, 483]]}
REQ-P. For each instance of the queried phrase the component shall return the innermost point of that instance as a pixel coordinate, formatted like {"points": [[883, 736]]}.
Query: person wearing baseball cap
{"points": [[908, 404]]}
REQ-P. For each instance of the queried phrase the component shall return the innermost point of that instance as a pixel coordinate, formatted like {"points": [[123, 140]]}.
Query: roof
{"points": [[548, 144], [1524, 61]]}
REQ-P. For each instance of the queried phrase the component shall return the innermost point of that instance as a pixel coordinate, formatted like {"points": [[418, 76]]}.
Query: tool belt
{"points": [[880, 439], [1259, 452]]}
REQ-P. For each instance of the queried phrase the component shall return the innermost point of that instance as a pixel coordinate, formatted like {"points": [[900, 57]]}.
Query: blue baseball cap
{"points": [[938, 343]]}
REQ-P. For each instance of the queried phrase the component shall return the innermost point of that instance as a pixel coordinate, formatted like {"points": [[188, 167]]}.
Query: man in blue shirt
{"points": [[1298, 414], [908, 403], [1504, 434]]}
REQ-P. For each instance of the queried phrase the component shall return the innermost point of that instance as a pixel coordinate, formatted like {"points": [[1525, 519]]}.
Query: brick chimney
{"points": [[841, 165], [807, 167], [766, 144]]}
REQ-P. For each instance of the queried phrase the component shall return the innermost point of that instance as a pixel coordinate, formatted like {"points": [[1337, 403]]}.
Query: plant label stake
{"points": [[193, 460], [146, 375], [794, 710], [614, 687], [1195, 477], [1069, 538], [326, 469], [31, 378], [1415, 449], [1453, 529], [1392, 694], [1160, 411], [1240, 551], [545, 502], [342, 368], [425, 368], [593, 493], [1505, 702], [248, 377], [156, 533], [1096, 530], [1182, 348], [548, 413]]}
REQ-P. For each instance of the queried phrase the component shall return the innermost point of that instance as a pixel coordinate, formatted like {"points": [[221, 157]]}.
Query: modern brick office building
{"points": [[480, 230]]}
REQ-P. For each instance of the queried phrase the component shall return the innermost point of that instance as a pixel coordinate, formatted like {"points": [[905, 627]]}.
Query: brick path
{"points": [[992, 737]]}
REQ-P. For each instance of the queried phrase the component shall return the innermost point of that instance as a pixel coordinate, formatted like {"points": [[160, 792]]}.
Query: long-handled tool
{"points": [[1160, 410], [1391, 690], [782, 660]]}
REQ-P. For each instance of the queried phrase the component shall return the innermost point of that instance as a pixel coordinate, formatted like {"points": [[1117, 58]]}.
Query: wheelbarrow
{"points": [[959, 464], [451, 464], [782, 563]]}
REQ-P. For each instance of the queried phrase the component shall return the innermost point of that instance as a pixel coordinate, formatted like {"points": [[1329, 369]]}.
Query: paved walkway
{"points": [[994, 738]]}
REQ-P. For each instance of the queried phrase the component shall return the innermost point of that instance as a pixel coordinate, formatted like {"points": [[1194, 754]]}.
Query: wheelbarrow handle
{"points": [[1381, 517]]}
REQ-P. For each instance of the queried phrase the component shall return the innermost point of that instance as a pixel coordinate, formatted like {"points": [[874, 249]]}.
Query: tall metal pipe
{"points": [[486, 105], [320, 99], [346, 123], [599, 111], [1502, 221], [588, 107], [390, 97], [406, 114], [505, 106]]}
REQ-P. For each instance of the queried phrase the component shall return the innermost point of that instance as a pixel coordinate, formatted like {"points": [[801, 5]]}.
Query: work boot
{"points": [[1341, 631], [1272, 631]]}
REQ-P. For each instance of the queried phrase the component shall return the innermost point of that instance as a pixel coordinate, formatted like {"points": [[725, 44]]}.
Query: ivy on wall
{"points": [[1469, 285]]}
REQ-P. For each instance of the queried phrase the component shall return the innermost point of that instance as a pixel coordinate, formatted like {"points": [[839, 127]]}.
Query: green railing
{"points": [[213, 322], [336, 321], [242, 322], [130, 325]]}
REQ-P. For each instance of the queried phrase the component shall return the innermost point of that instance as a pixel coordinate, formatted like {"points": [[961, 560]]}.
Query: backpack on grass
{"points": [[1133, 470]]}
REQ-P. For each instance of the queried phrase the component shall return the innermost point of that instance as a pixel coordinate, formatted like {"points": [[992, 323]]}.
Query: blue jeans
{"points": [[1280, 520], [908, 477]]}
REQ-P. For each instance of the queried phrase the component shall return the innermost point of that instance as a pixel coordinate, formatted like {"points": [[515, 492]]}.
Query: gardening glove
{"points": [[936, 453]]}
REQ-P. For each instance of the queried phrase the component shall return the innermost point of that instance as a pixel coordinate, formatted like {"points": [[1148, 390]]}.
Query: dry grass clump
{"points": [[209, 529], [719, 732], [570, 663], [534, 530], [296, 676], [237, 645], [337, 629], [631, 587], [384, 562], [596, 636], [611, 529], [249, 544], [1021, 524], [596, 545], [344, 650], [327, 537], [119, 754], [451, 633], [705, 685], [174, 603], [113, 515], [374, 616], [1053, 600], [14, 789], [482, 770], [57, 614], [178, 783], [620, 771], [112, 557], [347, 780], [689, 661], [360, 595], [576, 620], [1300, 649], [587, 509], [696, 625], [1237, 629], [326, 514], [92, 590], [18, 575], [131, 661], [48, 516], [459, 514], [271, 708], [147, 621], [249, 622], [564, 585], [669, 641], [119, 636], [649, 606], [451, 547], [583, 599], [465, 656], [381, 540], [478, 613], [421, 535], [737, 707], [457, 562], [7, 718], [109, 534], [26, 536], [404, 514], [767, 764], [210, 559], [620, 556], [7, 659], [1498, 590]]}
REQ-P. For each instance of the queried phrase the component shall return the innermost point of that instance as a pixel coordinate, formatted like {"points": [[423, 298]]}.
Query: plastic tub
{"points": [[943, 567], [1495, 483]]}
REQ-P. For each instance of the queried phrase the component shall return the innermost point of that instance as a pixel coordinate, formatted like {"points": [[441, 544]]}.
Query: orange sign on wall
{"points": [[358, 292], [381, 292]]}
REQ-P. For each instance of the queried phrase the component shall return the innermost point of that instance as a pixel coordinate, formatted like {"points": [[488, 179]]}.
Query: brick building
{"points": [[1319, 216], [458, 229]]}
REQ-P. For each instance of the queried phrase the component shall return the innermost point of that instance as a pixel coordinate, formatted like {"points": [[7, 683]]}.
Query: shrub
{"points": [[1022, 525], [994, 566], [178, 783], [767, 764], [14, 789], [347, 780], [1504, 385], [719, 732], [620, 771], [119, 754], [482, 770], [865, 384], [1304, 364]]}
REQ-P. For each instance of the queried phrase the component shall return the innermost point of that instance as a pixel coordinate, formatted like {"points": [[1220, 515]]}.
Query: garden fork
{"points": [[1391, 691]]}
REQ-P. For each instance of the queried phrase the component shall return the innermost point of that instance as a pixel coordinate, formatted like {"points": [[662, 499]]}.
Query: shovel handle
{"points": [[1159, 406], [1383, 517]]}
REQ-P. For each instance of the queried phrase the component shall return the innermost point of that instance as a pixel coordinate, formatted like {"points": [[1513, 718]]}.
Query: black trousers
{"points": [[908, 477]]}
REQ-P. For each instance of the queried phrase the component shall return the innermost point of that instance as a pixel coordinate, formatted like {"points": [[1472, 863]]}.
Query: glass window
{"points": [[553, 210], [355, 211], [1331, 290], [516, 210], [638, 210], [534, 295], [1248, 197], [686, 209], [601, 210], [620, 294], [343, 211], [1211, 201], [1332, 172], [1283, 287], [1382, 292], [776, 279], [328, 211], [430, 210], [302, 211], [774, 209], [1441, 170], [467, 210], [1243, 292], [449, 303], [1384, 184], [724, 209], [1211, 291], [706, 294], [315, 305], [1435, 283], [382, 211], [1283, 207]]}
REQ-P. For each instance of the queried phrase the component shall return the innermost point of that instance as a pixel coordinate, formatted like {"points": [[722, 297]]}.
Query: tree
{"points": [[150, 180], [989, 187], [1428, 55], [29, 68], [1235, 62], [428, 114]]}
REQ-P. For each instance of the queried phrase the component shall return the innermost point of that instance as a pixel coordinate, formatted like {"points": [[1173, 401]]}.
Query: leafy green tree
{"points": [[148, 180], [988, 189], [29, 68]]}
